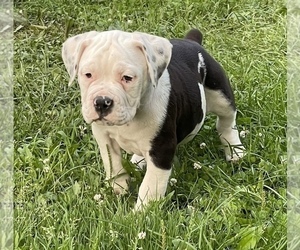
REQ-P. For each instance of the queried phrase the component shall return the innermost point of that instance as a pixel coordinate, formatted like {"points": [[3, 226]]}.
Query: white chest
{"points": [[134, 138]]}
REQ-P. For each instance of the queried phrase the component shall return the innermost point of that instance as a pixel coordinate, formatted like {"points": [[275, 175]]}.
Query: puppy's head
{"points": [[115, 71]]}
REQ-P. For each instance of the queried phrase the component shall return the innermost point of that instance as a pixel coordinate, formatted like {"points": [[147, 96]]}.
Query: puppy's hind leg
{"points": [[225, 110]]}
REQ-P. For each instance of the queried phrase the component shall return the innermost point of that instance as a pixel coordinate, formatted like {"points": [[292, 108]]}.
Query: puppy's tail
{"points": [[194, 35]]}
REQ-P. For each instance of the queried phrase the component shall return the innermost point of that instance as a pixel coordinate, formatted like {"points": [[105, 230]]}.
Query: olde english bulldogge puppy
{"points": [[146, 94]]}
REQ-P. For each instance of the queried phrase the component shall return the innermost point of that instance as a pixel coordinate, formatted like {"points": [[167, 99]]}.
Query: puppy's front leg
{"points": [[154, 184], [112, 160]]}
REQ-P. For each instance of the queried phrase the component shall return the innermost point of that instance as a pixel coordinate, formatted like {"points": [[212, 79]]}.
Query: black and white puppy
{"points": [[146, 94]]}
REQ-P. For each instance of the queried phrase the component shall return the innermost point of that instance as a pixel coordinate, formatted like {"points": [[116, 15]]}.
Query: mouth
{"points": [[103, 121]]}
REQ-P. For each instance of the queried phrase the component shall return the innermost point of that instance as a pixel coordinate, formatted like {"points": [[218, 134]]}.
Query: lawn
{"points": [[61, 198]]}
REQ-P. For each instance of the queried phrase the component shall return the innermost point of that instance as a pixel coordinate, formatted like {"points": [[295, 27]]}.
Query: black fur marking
{"points": [[184, 109], [160, 51]]}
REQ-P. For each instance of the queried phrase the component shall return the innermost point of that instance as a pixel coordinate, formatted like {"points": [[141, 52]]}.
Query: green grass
{"points": [[293, 131], [58, 170], [6, 126]]}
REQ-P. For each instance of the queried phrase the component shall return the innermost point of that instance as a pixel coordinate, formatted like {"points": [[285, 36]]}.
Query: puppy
{"points": [[146, 94]]}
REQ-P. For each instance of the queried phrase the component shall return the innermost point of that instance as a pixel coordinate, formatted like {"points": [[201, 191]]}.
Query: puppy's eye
{"points": [[88, 75], [127, 79]]}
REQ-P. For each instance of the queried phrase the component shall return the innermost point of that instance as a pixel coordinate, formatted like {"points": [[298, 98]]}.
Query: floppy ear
{"points": [[157, 51], [72, 51]]}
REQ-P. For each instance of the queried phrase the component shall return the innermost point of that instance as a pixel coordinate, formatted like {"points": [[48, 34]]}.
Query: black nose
{"points": [[103, 104]]}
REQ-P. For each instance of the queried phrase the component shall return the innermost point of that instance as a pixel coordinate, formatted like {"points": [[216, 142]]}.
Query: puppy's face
{"points": [[111, 80], [115, 69]]}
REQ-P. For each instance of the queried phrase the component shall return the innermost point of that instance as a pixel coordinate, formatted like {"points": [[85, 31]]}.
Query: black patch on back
{"points": [[184, 109]]}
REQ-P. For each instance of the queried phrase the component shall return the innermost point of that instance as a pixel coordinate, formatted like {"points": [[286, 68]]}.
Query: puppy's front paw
{"points": [[139, 161], [234, 153], [120, 184]]}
